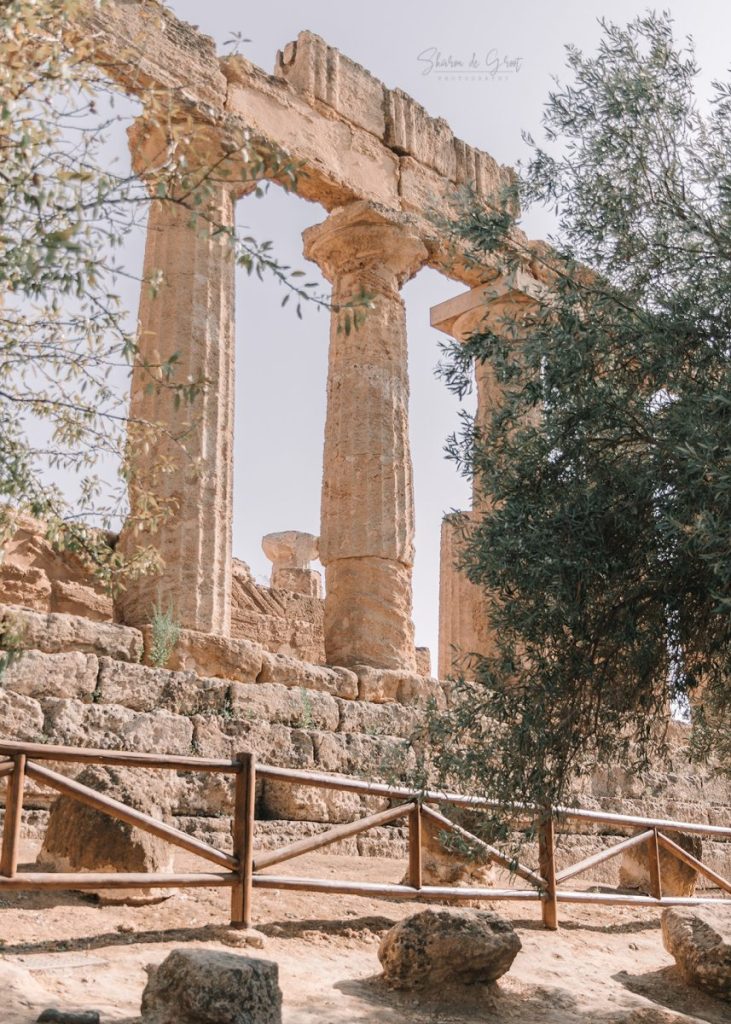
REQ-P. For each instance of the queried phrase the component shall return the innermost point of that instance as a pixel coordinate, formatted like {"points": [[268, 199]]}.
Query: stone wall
{"points": [[84, 683]]}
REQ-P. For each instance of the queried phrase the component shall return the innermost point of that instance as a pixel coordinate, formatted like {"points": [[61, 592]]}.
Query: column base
{"points": [[368, 613]]}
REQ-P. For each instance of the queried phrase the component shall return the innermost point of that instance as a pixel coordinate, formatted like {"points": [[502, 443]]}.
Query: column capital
{"points": [[172, 146], [487, 304], [366, 237]]}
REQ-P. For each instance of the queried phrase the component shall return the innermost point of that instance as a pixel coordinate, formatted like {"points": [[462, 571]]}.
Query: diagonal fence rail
{"points": [[242, 870]]}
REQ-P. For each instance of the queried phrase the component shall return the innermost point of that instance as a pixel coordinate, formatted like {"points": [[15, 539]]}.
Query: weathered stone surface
{"points": [[21, 717], [678, 878], [341, 162], [382, 685], [290, 549], [29, 587], [54, 633], [374, 757], [410, 131], [143, 688], [438, 947], [328, 76], [285, 705], [78, 838], [203, 986], [281, 620], [209, 654], [111, 726], [423, 661], [377, 719], [700, 940], [339, 682], [69, 674], [307, 803], [74, 598]]}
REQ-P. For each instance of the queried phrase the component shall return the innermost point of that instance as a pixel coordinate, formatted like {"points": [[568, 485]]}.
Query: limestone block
{"points": [[423, 191], [678, 878], [203, 986], [21, 717], [74, 598], [144, 688], [142, 45], [340, 162], [700, 940], [209, 654], [298, 581], [377, 719], [480, 171], [438, 947], [285, 705], [373, 757], [339, 682], [306, 803], [282, 621], [29, 587], [79, 838], [273, 744], [54, 632], [382, 685], [410, 131], [74, 724], [323, 73], [69, 674]]}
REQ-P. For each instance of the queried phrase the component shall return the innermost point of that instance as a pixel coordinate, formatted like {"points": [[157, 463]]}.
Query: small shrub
{"points": [[12, 643], [165, 635]]}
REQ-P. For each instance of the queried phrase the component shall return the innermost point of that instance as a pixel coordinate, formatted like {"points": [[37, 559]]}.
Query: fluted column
{"points": [[464, 608], [367, 512], [185, 459]]}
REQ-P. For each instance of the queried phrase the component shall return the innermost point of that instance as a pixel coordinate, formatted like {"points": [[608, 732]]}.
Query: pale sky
{"points": [[282, 362]]}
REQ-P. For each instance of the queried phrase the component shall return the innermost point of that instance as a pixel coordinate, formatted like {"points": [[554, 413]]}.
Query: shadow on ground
{"points": [[667, 989]]}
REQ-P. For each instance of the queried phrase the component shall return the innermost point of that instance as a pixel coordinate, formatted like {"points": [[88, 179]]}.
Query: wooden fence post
{"points": [[547, 867], [243, 830], [13, 812], [415, 827], [653, 854]]}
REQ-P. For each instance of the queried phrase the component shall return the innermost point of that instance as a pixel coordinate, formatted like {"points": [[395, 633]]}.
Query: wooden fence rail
{"points": [[243, 873]]}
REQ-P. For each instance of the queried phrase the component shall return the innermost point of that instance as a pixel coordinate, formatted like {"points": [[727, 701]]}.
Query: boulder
{"points": [[78, 838], [678, 878], [203, 986], [438, 947], [700, 940]]}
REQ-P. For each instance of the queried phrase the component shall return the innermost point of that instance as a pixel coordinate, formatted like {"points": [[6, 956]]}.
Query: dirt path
{"points": [[602, 965]]}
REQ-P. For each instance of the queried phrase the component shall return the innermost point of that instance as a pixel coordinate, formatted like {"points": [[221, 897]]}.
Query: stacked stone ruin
{"points": [[335, 683]]}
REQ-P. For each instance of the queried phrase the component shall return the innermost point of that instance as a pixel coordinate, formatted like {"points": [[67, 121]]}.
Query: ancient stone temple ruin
{"points": [[305, 680]]}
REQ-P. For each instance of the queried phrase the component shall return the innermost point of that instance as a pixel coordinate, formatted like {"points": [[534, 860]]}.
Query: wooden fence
{"points": [[242, 870]]}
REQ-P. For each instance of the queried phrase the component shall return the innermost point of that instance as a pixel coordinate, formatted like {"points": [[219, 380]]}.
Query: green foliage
{"points": [[165, 635], [604, 547]]}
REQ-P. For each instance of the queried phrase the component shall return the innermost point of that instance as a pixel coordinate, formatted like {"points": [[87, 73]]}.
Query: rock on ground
{"points": [[78, 838], [442, 865], [678, 878], [201, 986], [439, 947], [700, 940]]}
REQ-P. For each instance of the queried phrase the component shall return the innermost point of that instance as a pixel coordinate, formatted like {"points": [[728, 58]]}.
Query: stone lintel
{"points": [[519, 287]]}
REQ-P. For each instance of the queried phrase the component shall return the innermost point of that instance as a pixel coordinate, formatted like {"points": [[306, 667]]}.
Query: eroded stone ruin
{"points": [[305, 681]]}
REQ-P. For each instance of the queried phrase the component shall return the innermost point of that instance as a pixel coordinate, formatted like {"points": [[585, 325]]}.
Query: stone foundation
{"points": [[83, 683]]}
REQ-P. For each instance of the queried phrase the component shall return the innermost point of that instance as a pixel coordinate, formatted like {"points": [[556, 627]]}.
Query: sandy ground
{"points": [[603, 965]]}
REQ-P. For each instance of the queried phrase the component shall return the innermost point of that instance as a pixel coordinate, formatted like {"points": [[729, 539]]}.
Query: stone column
{"points": [[186, 460], [367, 514], [464, 627]]}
